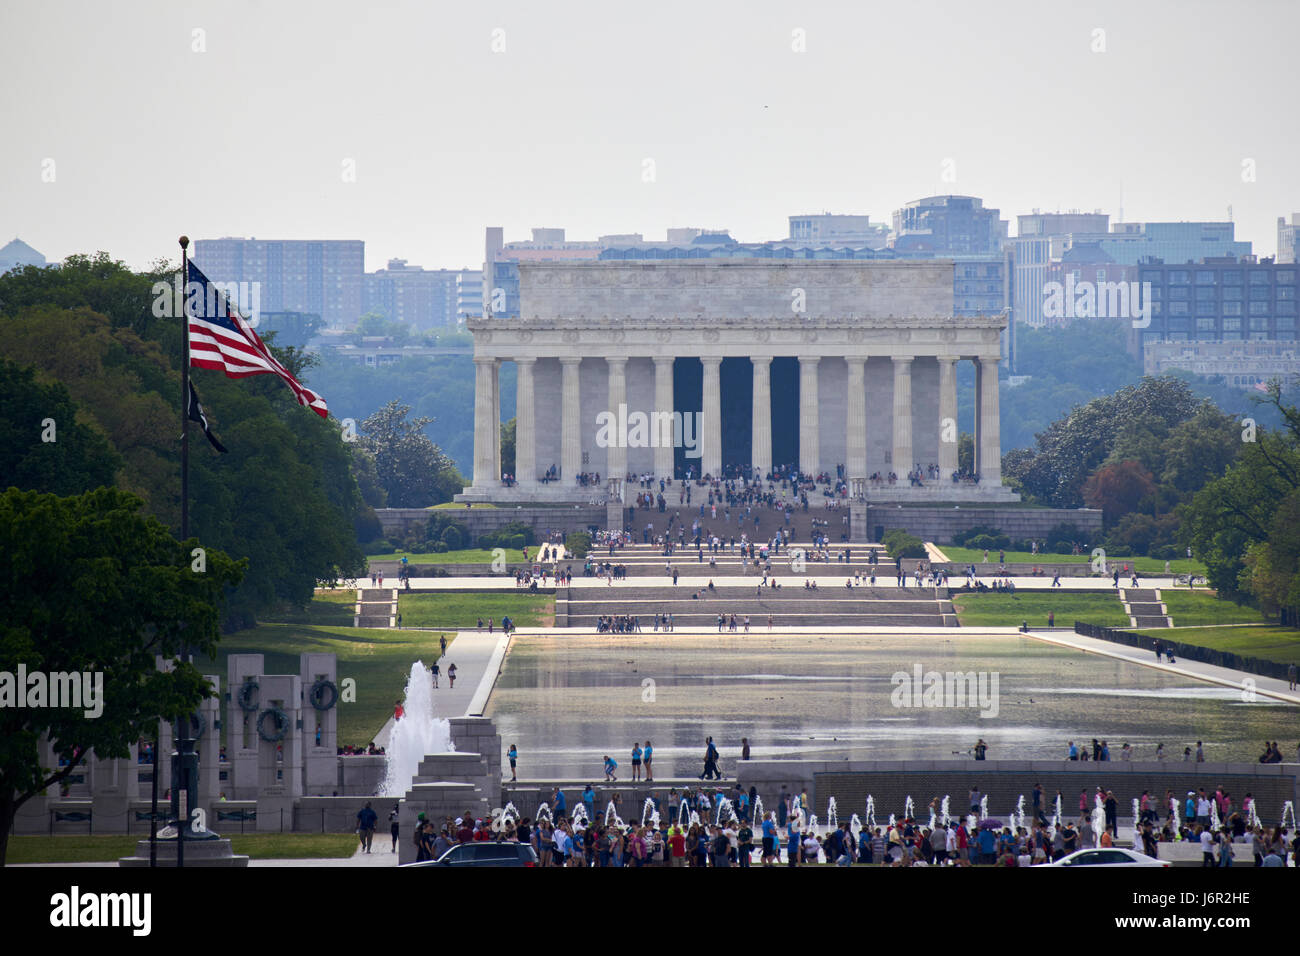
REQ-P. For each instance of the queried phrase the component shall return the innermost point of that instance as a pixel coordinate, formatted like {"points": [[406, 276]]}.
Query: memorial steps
{"points": [[376, 607], [1144, 608]]}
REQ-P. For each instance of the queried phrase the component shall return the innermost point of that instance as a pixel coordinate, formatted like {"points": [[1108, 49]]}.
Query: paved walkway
{"points": [[1226, 677], [477, 656], [824, 574]]}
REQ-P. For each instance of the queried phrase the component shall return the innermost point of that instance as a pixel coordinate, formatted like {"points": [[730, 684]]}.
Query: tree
{"points": [[92, 586], [407, 462], [123, 384], [1118, 489], [43, 446], [965, 454], [1245, 514], [1272, 567], [1074, 446], [508, 448], [285, 497]]}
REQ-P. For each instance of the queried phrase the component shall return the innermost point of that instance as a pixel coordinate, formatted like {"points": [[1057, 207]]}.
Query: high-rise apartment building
{"points": [[324, 276]]}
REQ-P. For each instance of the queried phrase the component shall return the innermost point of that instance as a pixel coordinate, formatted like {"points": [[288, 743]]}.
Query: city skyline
{"points": [[442, 137]]}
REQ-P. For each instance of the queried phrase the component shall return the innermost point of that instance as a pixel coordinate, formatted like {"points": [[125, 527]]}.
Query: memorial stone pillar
{"points": [[616, 450], [990, 439], [711, 427], [525, 425], [947, 417], [809, 426], [761, 428], [856, 437], [662, 419], [902, 453], [570, 433], [485, 473]]}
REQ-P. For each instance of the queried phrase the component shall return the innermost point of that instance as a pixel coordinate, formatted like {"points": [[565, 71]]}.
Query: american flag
{"points": [[222, 339]]}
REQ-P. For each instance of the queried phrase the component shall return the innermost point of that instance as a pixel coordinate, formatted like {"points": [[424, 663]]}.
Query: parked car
{"points": [[485, 854], [1108, 856]]}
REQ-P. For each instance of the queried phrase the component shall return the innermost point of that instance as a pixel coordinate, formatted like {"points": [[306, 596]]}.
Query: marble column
{"points": [[525, 425], [979, 424], [496, 420], [616, 450], [902, 454], [947, 417], [855, 447], [990, 439], [571, 424], [809, 426], [710, 436], [761, 423], [485, 474], [662, 419]]}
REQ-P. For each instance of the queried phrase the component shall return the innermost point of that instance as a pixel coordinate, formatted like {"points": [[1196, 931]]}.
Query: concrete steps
{"points": [[1144, 608], [788, 606], [375, 607]]}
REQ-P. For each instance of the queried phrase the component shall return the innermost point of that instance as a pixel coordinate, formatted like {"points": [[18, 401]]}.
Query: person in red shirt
{"points": [[678, 843], [466, 832], [397, 710]]}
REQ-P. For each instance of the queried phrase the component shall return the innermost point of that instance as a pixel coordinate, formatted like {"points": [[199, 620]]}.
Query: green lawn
{"points": [[325, 608], [1198, 608], [1144, 565], [1008, 610], [463, 556], [378, 660], [463, 609], [1266, 641], [100, 848]]}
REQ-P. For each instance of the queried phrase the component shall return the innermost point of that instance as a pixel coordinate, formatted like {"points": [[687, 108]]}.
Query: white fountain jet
{"points": [[418, 733]]}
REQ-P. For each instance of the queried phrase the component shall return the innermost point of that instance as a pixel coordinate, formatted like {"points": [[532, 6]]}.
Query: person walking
{"points": [[451, 676], [435, 670], [392, 825], [366, 820]]}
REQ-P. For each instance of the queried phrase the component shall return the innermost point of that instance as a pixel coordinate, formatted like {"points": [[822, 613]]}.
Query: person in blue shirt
{"points": [[560, 804], [769, 841], [792, 843], [636, 761], [987, 846], [589, 801], [610, 766], [513, 754], [646, 754]]}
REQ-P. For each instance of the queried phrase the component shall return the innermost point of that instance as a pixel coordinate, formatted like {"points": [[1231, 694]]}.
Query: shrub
{"points": [[452, 537], [991, 542], [904, 545], [578, 544], [963, 538]]}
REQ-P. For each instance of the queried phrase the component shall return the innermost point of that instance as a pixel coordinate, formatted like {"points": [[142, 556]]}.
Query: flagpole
{"points": [[185, 392], [184, 723]]}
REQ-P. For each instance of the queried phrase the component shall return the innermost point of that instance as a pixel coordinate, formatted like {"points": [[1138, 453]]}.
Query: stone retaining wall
{"points": [[480, 521], [940, 523]]}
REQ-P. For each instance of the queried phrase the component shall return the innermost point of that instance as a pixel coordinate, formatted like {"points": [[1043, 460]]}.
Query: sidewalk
{"points": [[1238, 680], [477, 656]]}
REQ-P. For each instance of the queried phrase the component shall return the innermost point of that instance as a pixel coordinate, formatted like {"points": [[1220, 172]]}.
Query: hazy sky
{"points": [[150, 139]]}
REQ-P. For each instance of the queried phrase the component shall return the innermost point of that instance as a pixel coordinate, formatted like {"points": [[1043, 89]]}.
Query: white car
{"points": [[1108, 856]]}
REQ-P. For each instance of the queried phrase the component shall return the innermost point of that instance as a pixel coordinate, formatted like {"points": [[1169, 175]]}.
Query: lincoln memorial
{"points": [[711, 368]]}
